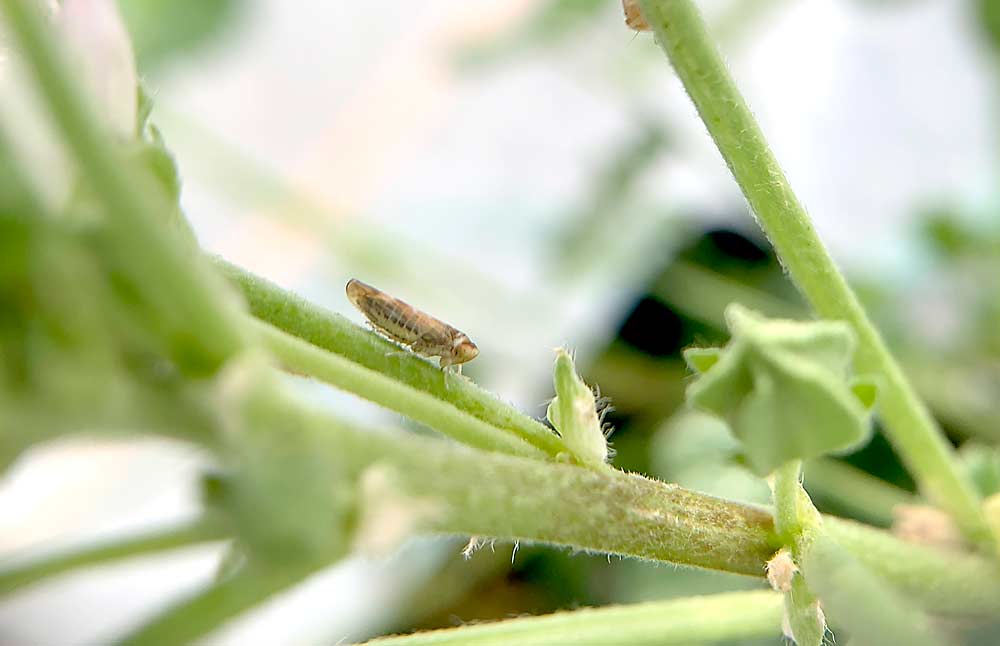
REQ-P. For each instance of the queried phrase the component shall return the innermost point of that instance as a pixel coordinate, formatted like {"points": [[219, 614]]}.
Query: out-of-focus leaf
{"points": [[982, 463], [945, 233], [281, 493], [989, 20], [859, 602], [785, 389], [697, 451], [78, 350], [702, 359], [162, 29], [551, 23]]}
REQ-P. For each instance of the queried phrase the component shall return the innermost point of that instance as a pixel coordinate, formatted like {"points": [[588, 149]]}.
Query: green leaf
{"points": [[866, 390], [573, 413], [696, 450], [784, 388], [701, 359], [982, 463]]}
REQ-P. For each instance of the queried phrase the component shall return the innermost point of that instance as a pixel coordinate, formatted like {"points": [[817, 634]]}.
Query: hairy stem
{"points": [[730, 616], [495, 495], [324, 329], [511, 498], [301, 357], [200, 531], [681, 32], [787, 523]]}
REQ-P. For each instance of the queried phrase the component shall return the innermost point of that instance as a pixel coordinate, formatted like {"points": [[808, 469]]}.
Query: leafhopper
{"points": [[408, 326]]}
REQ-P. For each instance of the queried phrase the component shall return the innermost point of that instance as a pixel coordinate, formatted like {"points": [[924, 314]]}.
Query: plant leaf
{"points": [[784, 388], [861, 603], [701, 359]]}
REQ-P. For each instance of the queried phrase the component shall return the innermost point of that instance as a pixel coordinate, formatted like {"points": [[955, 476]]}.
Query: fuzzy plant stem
{"points": [[787, 485], [513, 498], [681, 32], [334, 333], [712, 618], [303, 358]]}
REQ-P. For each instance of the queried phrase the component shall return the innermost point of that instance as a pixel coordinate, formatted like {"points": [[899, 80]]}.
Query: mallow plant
{"points": [[113, 323]]}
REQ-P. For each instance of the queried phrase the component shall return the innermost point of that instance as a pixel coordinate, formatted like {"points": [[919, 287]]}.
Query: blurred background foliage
{"points": [[659, 303], [163, 30]]}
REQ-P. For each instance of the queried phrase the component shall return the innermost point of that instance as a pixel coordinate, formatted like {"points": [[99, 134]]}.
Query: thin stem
{"points": [[787, 485], [795, 522], [704, 294], [141, 238], [20, 576], [329, 331], [723, 617], [854, 490], [301, 357], [681, 32], [210, 608]]}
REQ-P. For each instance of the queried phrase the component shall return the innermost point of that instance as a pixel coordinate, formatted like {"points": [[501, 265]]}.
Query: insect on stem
{"points": [[420, 332]]}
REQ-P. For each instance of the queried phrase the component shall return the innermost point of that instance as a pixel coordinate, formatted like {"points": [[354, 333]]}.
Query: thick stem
{"points": [[324, 329], [681, 32], [301, 357], [510, 498], [722, 617], [495, 495]]}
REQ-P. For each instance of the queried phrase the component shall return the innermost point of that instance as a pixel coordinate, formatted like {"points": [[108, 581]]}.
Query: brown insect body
{"points": [[634, 17], [410, 327]]}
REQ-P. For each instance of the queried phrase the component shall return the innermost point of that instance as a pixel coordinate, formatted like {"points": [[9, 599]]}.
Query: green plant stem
{"points": [[140, 236], [857, 491], [787, 523], [795, 522], [511, 498], [859, 601], [23, 575], [210, 608], [944, 582], [730, 616], [324, 329], [301, 357], [681, 32]]}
